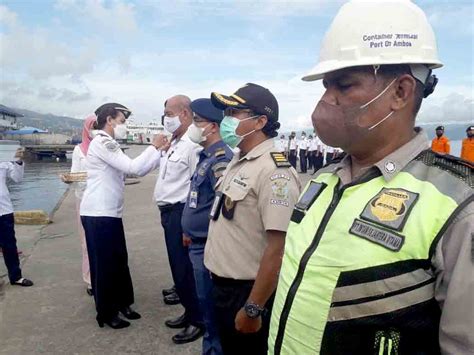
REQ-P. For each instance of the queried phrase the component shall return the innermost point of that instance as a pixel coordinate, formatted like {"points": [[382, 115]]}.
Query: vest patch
{"points": [[390, 208], [387, 239]]}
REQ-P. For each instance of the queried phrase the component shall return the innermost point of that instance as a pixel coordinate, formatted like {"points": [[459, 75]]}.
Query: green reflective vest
{"points": [[356, 276]]}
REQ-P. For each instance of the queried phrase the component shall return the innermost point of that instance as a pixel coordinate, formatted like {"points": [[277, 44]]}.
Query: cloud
{"points": [[7, 17], [116, 17]]}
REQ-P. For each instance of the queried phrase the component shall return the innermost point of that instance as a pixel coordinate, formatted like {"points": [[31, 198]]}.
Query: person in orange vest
{"points": [[467, 150], [440, 144]]}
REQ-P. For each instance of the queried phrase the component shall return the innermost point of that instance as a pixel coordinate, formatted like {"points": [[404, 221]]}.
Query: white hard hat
{"points": [[377, 32]]}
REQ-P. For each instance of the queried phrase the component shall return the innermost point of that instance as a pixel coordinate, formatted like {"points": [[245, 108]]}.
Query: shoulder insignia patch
{"points": [[219, 152], [280, 160], [111, 145]]}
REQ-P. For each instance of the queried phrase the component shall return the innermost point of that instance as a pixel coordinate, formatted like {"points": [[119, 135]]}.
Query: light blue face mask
{"points": [[228, 129]]}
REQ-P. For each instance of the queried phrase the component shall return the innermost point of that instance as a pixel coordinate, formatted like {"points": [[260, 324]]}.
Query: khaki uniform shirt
{"points": [[453, 260], [261, 197]]}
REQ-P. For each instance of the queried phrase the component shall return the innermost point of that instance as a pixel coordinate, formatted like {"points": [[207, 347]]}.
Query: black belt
{"points": [[171, 206], [224, 281]]}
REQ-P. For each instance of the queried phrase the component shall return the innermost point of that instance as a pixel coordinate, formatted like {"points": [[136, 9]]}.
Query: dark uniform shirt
{"points": [[212, 163]]}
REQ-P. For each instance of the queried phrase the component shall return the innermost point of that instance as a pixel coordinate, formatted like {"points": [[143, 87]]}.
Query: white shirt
{"points": [[281, 145], [78, 165], [177, 167], [13, 171], [293, 144], [106, 166], [311, 146], [318, 145], [303, 143]]}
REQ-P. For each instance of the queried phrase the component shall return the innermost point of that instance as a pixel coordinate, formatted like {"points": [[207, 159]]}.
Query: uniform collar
{"points": [[209, 151], [393, 163], [259, 150], [104, 132]]}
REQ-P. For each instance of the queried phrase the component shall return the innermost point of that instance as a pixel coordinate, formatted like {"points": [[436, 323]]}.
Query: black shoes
{"points": [[171, 299], [168, 291], [177, 323], [22, 282], [114, 323], [130, 313], [188, 335]]}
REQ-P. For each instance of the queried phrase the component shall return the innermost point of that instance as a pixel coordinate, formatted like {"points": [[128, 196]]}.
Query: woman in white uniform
{"points": [[101, 214], [79, 165]]}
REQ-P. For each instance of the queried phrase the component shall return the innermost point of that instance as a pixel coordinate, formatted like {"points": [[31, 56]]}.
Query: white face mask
{"points": [[120, 131], [172, 123], [195, 133], [93, 133]]}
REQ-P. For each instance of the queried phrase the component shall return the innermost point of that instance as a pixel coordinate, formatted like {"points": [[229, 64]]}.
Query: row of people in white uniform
{"points": [[310, 144]]}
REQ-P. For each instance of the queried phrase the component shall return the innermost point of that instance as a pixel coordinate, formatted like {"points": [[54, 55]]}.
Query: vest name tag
{"points": [[387, 239]]}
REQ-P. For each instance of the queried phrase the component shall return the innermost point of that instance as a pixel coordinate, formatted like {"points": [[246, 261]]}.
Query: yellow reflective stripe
{"points": [[381, 306], [238, 98], [380, 287], [390, 342], [382, 345]]}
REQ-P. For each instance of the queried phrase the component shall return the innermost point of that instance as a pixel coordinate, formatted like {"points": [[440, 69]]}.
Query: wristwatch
{"points": [[253, 310]]}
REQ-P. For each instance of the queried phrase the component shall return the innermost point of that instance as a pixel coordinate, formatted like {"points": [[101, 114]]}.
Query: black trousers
{"points": [[229, 297], [180, 264], [303, 160], [310, 159], [292, 158], [108, 260], [9, 248]]}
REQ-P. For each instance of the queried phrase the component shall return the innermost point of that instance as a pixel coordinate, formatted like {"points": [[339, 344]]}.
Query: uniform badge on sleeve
{"points": [[111, 145], [280, 190], [390, 208]]}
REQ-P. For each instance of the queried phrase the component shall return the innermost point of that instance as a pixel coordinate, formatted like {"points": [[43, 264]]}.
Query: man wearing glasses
{"points": [[177, 166], [249, 218]]}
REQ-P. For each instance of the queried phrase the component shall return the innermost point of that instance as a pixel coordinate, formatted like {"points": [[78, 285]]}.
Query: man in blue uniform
{"points": [[213, 160]]}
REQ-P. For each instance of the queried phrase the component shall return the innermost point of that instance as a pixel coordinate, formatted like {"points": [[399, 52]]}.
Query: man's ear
{"points": [[405, 90], [109, 120]]}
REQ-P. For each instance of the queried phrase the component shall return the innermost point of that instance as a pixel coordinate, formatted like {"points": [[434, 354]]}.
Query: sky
{"points": [[67, 57]]}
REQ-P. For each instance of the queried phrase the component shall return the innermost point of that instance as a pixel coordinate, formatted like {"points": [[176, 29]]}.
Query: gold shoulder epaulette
{"points": [[280, 160]]}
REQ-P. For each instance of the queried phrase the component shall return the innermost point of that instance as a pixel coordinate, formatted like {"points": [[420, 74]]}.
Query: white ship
{"points": [[142, 133]]}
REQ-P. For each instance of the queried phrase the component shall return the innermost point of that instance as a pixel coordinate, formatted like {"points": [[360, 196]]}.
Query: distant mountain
{"points": [[53, 123]]}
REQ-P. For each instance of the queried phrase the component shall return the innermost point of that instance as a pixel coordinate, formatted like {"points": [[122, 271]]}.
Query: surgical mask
{"points": [[120, 131], [195, 133], [228, 129], [172, 123], [339, 126]]}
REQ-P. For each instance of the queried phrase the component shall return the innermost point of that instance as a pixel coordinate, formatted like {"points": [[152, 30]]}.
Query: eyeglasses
{"points": [[229, 111]]}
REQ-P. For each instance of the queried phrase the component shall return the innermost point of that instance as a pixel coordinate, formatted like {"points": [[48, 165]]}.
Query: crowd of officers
{"points": [[310, 151], [374, 255]]}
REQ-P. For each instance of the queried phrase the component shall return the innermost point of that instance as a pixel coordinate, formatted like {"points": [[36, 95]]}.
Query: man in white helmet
{"points": [[378, 256]]}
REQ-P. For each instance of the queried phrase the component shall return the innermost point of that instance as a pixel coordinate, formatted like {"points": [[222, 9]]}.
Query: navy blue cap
{"points": [[439, 128], [205, 109], [470, 128]]}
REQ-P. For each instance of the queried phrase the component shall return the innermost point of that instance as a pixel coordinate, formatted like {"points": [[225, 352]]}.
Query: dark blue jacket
{"points": [[212, 163]]}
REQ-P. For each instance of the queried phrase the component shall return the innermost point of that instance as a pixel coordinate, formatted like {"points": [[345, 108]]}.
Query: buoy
{"points": [[31, 217]]}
